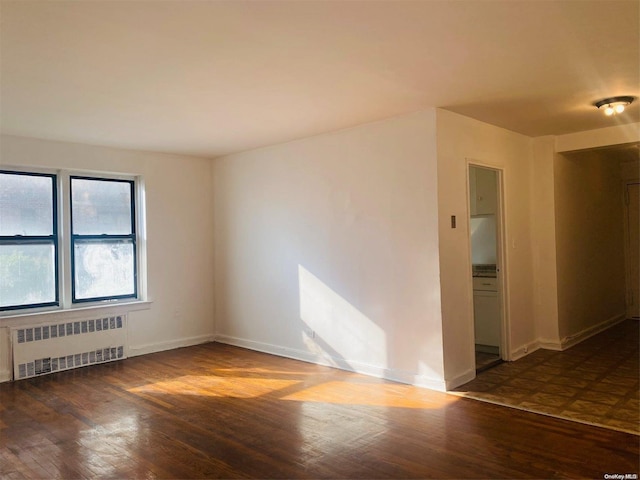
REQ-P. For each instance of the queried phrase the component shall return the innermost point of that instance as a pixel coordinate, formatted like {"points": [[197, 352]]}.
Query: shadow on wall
{"points": [[336, 333], [334, 330]]}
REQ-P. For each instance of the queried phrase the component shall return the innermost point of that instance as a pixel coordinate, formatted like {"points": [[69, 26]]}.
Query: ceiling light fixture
{"points": [[614, 105]]}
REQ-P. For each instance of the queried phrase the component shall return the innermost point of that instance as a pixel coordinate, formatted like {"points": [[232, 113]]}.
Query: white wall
{"points": [[549, 166], [179, 232], [327, 250], [461, 139], [601, 137], [543, 215], [338, 248], [5, 355], [590, 242]]}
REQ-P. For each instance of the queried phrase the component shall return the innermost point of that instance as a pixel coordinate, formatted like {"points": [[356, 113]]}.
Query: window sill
{"points": [[35, 318]]}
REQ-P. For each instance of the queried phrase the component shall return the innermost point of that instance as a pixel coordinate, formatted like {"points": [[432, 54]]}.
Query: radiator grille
{"points": [[43, 349]]}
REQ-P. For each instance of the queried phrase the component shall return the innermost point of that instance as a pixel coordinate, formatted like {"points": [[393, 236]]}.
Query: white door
{"points": [[632, 221]]}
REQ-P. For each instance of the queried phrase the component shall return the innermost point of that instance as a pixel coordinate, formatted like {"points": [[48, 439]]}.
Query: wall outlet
{"points": [[526, 349]]}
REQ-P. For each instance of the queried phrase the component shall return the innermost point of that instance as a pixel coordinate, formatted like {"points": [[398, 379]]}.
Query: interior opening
{"points": [[484, 222]]}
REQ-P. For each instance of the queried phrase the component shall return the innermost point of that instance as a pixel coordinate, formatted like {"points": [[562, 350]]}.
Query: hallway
{"points": [[595, 382]]}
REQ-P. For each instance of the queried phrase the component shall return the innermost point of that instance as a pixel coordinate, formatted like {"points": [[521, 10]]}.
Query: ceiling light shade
{"points": [[614, 105]]}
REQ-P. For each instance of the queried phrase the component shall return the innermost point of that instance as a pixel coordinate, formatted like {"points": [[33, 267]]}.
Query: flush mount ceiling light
{"points": [[613, 105]]}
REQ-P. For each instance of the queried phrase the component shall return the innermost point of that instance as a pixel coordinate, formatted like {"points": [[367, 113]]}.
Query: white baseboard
{"points": [[566, 342], [411, 378], [461, 379], [548, 344], [5, 376], [571, 340], [136, 350], [327, 360], [524, 350]]}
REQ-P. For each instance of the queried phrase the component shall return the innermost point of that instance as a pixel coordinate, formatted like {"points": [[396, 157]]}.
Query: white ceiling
{"points": [[213, 77]]}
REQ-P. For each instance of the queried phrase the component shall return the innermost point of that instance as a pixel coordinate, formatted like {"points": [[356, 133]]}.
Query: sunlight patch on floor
{"points": [[259, 371], [211, 386], [373, 395]]}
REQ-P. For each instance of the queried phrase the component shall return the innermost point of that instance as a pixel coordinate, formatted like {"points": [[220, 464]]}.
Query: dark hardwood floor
{"points": [[214, 411]]}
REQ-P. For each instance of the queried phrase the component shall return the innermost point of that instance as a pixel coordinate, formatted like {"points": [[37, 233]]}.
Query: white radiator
{"points": [[43, 349]]}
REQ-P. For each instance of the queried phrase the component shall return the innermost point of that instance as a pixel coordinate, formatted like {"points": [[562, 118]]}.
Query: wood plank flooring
{"points": [[215, 411]]}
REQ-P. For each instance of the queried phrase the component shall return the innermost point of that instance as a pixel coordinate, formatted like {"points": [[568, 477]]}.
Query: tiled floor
{"points": [[485, 361], [595, 382]]}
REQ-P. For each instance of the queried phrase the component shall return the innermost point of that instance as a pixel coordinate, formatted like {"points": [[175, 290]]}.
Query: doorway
{"points": [[485, 229]]}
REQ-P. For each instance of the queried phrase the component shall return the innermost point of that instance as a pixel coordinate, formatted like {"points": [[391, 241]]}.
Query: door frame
{"points": [[627, 254], [501, 257]]}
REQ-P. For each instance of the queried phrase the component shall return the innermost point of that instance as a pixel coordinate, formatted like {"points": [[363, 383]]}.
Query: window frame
{"points": [[52, 239], [132, 237], [63, 268]]}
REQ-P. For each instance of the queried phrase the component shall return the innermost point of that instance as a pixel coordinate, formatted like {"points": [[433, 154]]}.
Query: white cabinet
{"points": [[487, 317], [486, 312], [489, 284], [483, 191]]}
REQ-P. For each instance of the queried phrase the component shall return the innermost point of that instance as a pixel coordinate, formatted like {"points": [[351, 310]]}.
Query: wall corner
{"points": [[543, 232]]}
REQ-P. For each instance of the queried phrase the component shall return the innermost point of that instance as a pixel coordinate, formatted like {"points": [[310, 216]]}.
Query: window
{"points": [[28, 240], [66, 239], [103, 239]]}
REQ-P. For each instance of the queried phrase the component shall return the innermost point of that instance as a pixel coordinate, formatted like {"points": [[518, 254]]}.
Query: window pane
{"points": [[101, 207], [26, 205], [103, 268], [27, 274]]}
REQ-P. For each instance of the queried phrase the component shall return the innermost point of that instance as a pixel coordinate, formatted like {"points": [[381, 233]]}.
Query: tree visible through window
{"points": [[96, 218], [28, 240], [103, 239]]}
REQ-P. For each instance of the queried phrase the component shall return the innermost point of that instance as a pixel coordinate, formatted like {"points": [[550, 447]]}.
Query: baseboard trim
{"points": [[547, 344], [5, 376], [566, 342], [137, 350], [524, 350], [571, 340], [322, 358], [461, 379]]}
